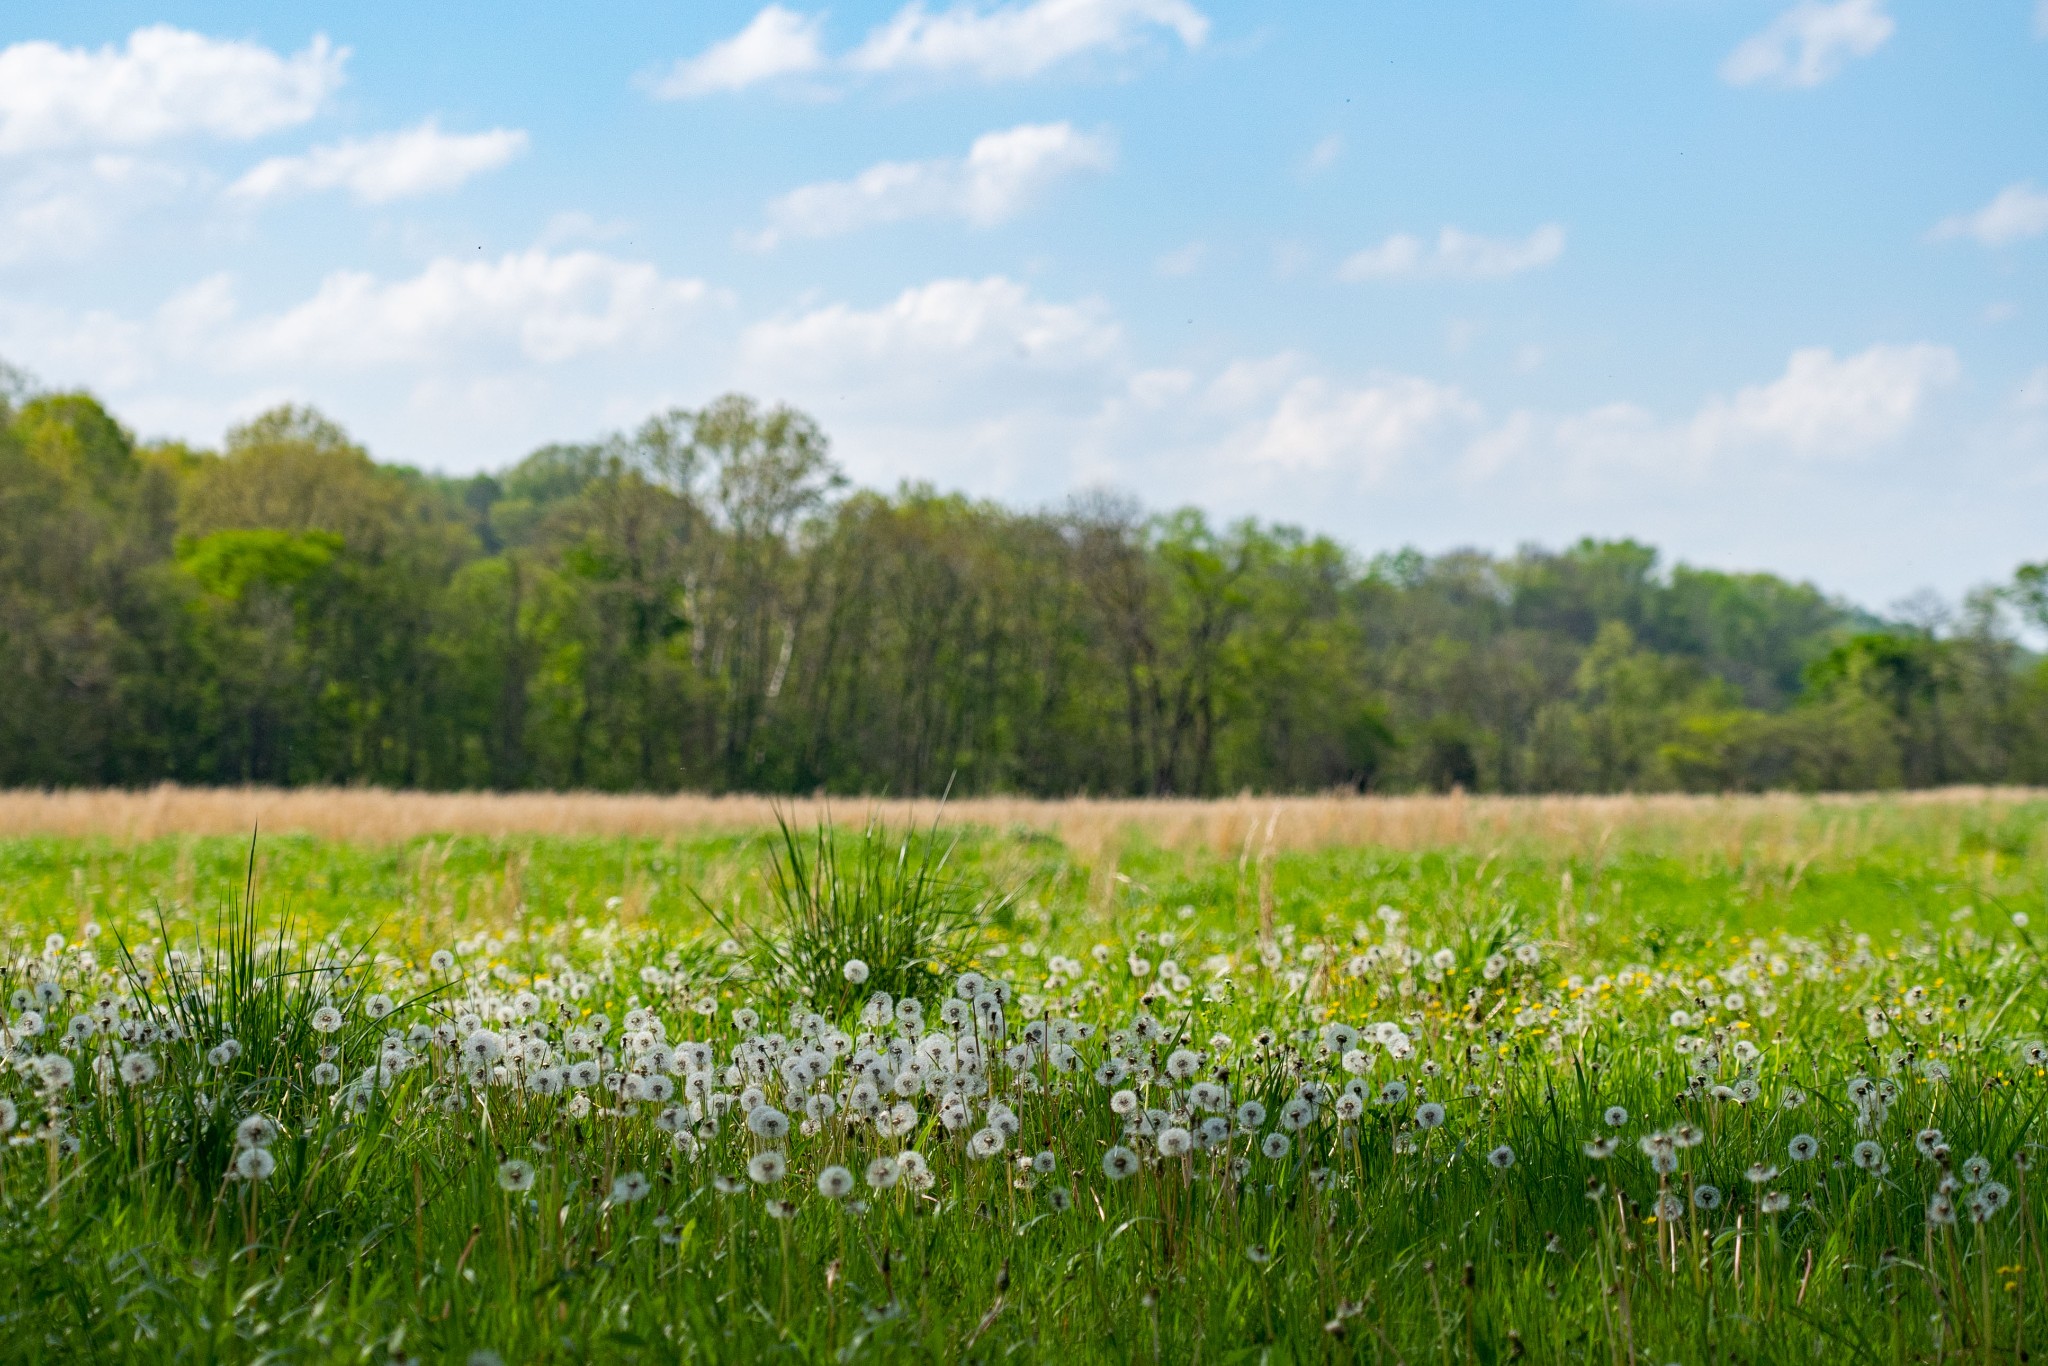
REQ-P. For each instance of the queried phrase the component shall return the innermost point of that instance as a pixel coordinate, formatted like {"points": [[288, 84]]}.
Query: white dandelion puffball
{"points": [[255, 1131], [1501, 1158], [1867, 1155], [326, 1020], [1276, 1146], [1803, 1148], [883, 1173], [767, 1168], [442, 961], [378, 1006], [628, 1187], [1119, 1162], [137, 1068], [515, 1175], [254, 1164], [835, 1182], [1615, 1116], [1428, 1115], [855, 971], [1175, 1141]]}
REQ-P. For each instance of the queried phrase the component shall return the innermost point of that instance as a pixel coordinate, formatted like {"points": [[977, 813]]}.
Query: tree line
{"points": [[704, 603]]}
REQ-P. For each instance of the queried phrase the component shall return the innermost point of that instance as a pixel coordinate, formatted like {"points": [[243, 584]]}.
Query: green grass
{"points": [[383, 1231]]}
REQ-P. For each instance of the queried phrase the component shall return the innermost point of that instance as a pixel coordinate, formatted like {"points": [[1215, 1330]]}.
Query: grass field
{"points": [[1617, 1080]]}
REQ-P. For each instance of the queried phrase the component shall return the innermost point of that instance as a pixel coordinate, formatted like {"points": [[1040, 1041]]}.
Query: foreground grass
{"points": [[541, 1149]]}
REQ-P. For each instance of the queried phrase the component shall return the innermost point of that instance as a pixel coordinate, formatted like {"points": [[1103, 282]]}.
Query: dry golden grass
{"points": [[1774, 825]]}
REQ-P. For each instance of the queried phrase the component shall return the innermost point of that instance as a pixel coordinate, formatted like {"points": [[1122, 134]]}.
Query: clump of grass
{"points": [[872, 912]]}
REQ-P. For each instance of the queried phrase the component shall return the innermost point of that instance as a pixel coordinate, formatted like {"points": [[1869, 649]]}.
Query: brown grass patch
{"points": [[1244, 827]]}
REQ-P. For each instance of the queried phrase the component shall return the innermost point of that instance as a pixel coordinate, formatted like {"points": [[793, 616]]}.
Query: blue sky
{"points": [[1761, 282]]}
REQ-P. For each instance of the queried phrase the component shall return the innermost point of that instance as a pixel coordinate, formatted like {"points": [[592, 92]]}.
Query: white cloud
{"points": [[1809, 44], [1824, 406], [1018, 40], [945, 326], [2041, 18], [549, 307], [2016, 212], [65, 208], [1457, 255], [1318, 425], [1181, 260], [165, 83], [2033, 393], [390, 166], [1325, 154], [1000, 174], [778, 42]]}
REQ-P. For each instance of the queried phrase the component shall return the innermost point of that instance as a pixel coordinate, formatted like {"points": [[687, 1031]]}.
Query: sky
{"points": [[1759, 283]]}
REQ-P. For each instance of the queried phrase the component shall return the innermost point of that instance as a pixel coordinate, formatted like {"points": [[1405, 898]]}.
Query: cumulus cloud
{"points": [[549, 307], [1809, 44], [931, 334], [1828, 406], [65, 208], [390, 166], [2015, 213], [1456, 255], [999, 43], [1018, 40], [164, 83], [778, 42], [1366, 429], [1001, 173]]}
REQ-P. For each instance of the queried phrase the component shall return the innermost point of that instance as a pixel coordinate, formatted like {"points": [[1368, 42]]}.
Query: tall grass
{"points": [[873, 912], [1773, 826]]}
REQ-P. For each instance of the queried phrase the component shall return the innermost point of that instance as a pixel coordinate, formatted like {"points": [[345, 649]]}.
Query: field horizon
{"points": [[1247, 823]]}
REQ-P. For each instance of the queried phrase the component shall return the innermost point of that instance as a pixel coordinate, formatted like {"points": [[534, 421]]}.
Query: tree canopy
{"points": [[705, 603]]}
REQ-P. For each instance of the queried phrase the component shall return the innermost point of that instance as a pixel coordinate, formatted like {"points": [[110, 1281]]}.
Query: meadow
{"points": [[474, 1080]]}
